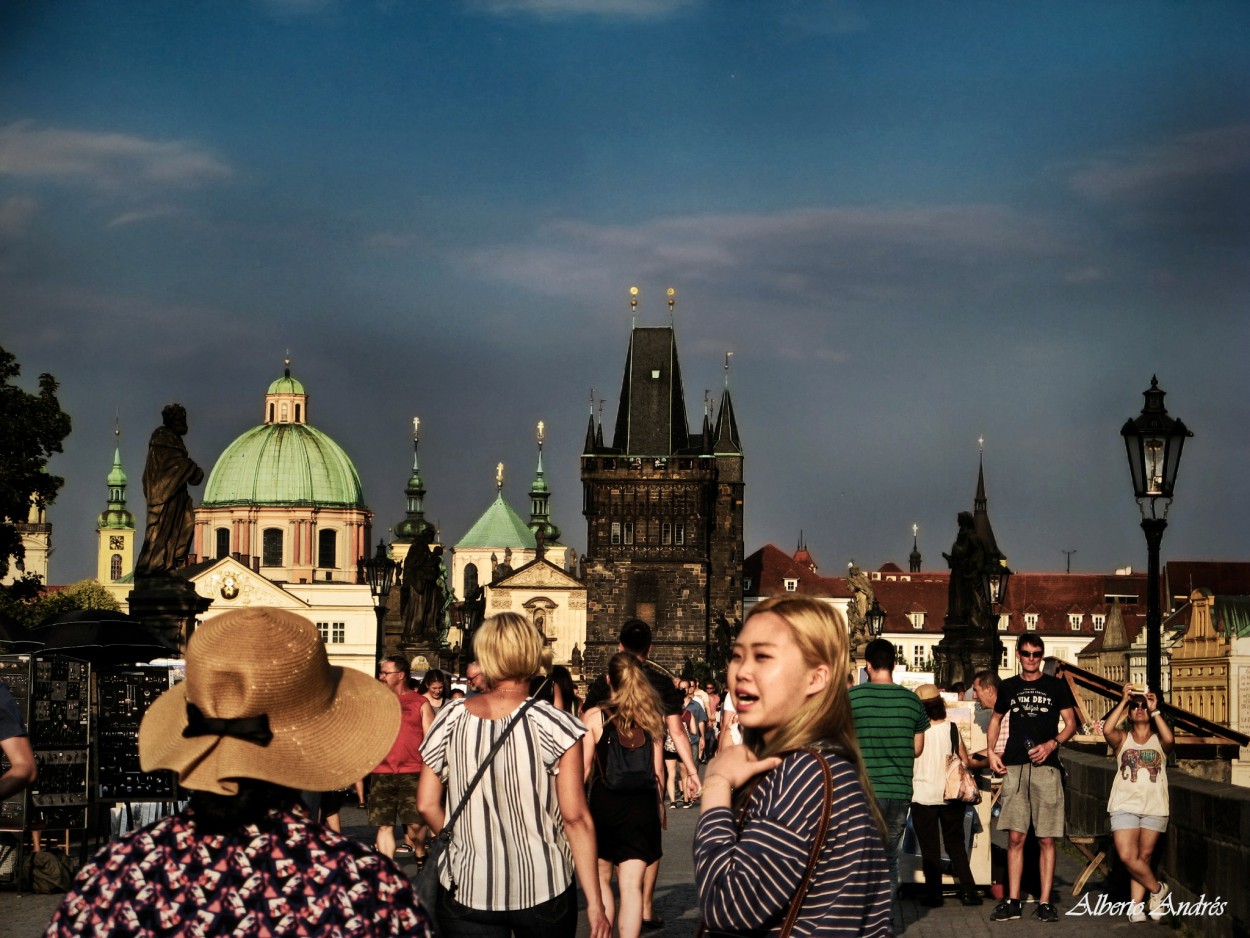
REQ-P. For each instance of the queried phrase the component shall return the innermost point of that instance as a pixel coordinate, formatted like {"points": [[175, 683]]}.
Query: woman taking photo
{"points": [[623, 766], [762, 864], [936, 820], [525, 827], [1139, 794]]}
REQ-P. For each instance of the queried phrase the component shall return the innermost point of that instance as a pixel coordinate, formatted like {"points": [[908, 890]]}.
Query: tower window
{"points": [[629, 532], [223, 542], [679, 534], [327, 548], [616, 532], [271, 413], [470, 580], [271, 547], [666, 533], [115, 567], [297, 413], [286, 412]]}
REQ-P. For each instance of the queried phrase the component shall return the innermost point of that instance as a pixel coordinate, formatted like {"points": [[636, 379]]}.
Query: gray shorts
{"points": [[1125, 821], [1032, 794]]}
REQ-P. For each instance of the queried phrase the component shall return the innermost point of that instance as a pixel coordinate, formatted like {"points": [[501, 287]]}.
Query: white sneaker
{"points": [[1137, 912], [1155, 901]]}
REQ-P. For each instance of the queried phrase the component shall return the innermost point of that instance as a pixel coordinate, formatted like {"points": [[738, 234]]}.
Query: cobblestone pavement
{"points": [[27, 916]]}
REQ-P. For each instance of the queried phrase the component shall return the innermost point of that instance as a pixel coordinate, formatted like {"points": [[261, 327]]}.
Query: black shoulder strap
{"points": [[954, 737]]}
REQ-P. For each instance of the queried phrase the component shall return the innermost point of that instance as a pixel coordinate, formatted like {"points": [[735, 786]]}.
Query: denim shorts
{"points": [[1124, 821]]}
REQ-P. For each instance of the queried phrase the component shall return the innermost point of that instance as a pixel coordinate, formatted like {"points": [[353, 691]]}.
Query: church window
{"points": [[629, 532], [1099, 621], [286, 410], [470, 580], [115, 567], [679, 534], [271, 547], [616, 532], [327, 548], [332, 633], [666, 533], [1074, 620], [223, 542], [297, 413], [271, 413]]}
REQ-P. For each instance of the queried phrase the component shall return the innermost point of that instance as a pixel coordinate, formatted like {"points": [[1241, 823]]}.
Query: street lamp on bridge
{"points": [[1154, 442], [379, 573]]}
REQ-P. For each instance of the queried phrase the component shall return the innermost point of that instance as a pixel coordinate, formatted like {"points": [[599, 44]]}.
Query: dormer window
{"points": [[1004, 620], [1074, 620], [1099, 622], [791, 584], [1030, 620], [916, 619]]}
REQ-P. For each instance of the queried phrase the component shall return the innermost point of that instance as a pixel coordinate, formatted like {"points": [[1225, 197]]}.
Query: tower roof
{"points": [[651, 416], [726, 432], [499, 527]]}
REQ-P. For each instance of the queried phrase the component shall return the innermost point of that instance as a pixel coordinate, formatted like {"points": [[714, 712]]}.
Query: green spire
{"points": [[116, 516], [540, 500], [414, 522]]}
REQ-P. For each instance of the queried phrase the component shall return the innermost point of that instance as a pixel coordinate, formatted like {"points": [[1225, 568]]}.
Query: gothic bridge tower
{"points": [[663, 507]]}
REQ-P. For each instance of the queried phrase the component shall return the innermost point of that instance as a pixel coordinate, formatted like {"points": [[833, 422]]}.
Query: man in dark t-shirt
{"points": [[635, 639], [1033, 790], [15, 745]]}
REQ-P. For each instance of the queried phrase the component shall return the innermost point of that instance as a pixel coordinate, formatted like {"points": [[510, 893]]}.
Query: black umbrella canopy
{"points": [[103, 637], [16, 637]]}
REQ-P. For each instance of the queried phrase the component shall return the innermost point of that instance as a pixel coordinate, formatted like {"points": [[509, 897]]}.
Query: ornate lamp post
{"points": [[875, 617], [1154, 442], [379, 573], [994, 591]]}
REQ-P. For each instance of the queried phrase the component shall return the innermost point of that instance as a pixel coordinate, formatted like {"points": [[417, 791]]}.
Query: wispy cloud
{"points": [[104, 160], [604, 9], [803, 256], [1196, 183]]}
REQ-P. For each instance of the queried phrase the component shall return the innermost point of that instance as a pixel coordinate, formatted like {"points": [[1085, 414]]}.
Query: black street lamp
{"points": [[379, 573], [1154, 442], [875, 617]]}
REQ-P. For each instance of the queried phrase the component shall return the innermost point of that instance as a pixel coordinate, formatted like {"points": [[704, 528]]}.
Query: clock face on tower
{"points": [[117, 543]]}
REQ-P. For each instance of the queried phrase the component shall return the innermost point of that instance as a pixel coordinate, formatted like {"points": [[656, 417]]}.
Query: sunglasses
{"points": [[1138, 705], [1030, 654]]}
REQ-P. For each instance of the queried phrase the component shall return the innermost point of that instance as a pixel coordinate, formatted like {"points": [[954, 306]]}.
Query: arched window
{"points": [[297, 409], [271, 551], [115, 567], [470, 580], [223, 542], [327, 548]]}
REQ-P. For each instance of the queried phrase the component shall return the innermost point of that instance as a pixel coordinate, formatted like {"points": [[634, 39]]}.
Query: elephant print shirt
{"points": [[1140, 785]]}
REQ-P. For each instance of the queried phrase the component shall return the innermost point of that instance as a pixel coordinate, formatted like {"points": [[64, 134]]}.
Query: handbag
{"points": [[427, 883], [960, 785], [822, 828]]}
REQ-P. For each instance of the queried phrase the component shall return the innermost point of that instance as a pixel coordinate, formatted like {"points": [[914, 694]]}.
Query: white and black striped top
{"points": [[746, 882], [508, 849]]}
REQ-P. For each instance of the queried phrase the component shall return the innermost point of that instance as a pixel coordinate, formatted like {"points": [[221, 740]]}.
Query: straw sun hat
{"points": [[928, 692], [262, 701]]}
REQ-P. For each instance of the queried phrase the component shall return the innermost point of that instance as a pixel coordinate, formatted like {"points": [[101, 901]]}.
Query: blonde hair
{"points": [[820, 633], [508, 647], [634, 702]]}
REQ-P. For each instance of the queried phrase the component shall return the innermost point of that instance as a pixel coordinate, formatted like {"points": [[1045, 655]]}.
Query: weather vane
{"points": [[416, 428], [499, 476]]}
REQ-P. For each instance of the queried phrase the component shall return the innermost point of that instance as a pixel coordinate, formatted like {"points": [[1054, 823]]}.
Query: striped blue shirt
{"points": [[746, 882]]}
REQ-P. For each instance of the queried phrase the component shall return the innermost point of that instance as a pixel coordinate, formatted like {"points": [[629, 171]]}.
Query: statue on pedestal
{"points": [[857, 610], [171, 516], [421, 598]]}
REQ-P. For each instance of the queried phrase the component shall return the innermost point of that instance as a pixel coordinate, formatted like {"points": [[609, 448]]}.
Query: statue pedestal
{"points": [[168, 604], [963, 651]]}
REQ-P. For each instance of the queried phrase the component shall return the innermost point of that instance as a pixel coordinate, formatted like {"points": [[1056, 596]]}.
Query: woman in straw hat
{"points": [[261, 715], [788, 842], [525, 828]]}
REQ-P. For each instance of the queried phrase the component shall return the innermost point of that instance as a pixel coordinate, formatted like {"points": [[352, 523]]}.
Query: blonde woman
{"points": [[624, 766], [764, 801], [526, 829]]}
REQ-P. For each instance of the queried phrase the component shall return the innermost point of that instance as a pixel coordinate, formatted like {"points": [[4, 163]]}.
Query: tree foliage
{"points": [[32, 427], [34, 611]]}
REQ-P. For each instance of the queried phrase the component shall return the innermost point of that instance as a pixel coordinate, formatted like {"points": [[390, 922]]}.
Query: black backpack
{"points": [[626, 759]]}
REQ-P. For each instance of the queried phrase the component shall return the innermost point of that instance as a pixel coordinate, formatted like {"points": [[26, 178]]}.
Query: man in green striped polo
{"points": [[890, 722]]}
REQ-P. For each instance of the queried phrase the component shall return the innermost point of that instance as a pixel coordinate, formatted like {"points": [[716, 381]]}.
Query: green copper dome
{"points": [[286, 385], [284, 464]]}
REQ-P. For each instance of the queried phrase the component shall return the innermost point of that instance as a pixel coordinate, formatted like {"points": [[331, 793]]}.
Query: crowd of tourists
{"points": [[515, 796]]}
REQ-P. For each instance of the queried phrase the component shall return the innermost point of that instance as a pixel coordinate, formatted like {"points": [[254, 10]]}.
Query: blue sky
{"points": [[914, 224]]}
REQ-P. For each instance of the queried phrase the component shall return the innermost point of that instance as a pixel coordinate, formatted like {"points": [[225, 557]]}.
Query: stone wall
{"points": [[1206, 851]]}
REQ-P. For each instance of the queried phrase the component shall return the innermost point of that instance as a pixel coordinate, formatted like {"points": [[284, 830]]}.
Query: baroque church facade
{"points": [[664, 515]]}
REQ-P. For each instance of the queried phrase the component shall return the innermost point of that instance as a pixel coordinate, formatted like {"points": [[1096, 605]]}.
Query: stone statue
{"points": [[857, 610], [421, 601], [171, 516], [968, 560]]}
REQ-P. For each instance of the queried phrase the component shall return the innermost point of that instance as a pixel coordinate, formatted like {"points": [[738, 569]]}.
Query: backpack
{"points": [[688, 721], [48, 871], [628, 763]]}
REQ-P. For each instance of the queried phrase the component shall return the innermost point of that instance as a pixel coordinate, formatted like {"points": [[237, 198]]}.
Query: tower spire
{"points": [[540, 501], [414, 523], [915, 548]]}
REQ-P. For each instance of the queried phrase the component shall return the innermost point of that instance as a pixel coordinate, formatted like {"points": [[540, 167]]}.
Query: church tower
{"points": [[115, 529], [663, 512]]}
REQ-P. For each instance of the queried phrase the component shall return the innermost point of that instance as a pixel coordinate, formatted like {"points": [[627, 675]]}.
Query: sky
{"points": [[916, 225]]}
